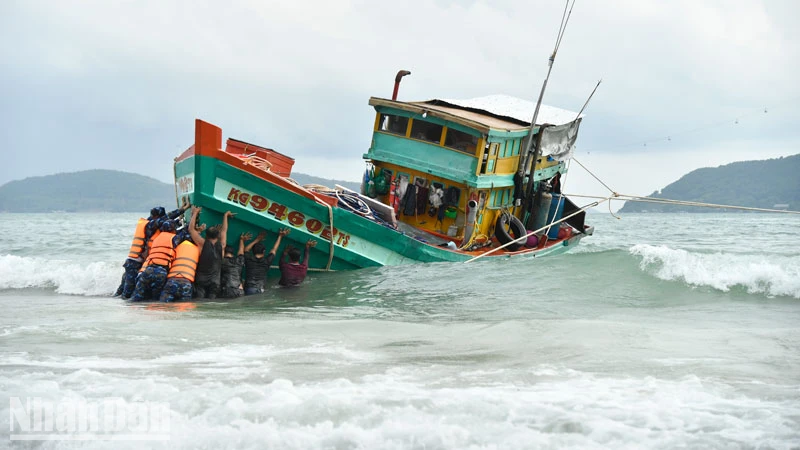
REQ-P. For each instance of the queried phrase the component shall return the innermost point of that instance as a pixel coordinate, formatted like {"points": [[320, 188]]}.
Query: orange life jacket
{"points": [[162, 253], [185, 264], [152, 239], [137, 246]]}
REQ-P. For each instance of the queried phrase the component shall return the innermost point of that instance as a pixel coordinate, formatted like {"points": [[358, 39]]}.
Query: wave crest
{"points": [[774, 276], [66, 277]]}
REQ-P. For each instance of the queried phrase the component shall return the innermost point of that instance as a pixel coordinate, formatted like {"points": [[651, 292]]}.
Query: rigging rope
{"points": [[593, 175], [331, 247], [637, 198], [522, 238], [645, 199]]}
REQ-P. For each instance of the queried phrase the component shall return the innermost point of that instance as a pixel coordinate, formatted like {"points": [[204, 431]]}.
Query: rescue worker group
{"points": [[172, 262]]}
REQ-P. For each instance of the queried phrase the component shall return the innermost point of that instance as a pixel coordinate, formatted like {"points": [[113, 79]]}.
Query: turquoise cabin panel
{"points": [[422, 156]]}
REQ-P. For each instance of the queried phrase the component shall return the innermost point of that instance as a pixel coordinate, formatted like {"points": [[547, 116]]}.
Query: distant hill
{"points": [[101, 190], [86, 191], [759, 184]]}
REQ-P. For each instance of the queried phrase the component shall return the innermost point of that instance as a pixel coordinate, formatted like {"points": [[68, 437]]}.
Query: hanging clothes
{"points": [[422, 199], [409, 203], [451, 196]]}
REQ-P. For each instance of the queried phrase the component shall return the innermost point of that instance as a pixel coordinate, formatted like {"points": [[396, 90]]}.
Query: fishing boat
{"points": [[445, 181]]}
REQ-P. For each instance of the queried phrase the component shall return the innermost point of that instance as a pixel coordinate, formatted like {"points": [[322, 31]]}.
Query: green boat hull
{"points": [[259, 204]]}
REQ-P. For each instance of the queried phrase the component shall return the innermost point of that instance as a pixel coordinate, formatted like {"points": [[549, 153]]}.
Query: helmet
{"points": [[168, 226], [158, 211]]}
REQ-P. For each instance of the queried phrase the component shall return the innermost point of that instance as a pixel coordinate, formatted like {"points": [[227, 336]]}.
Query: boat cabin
{"points": [[448, 166]]}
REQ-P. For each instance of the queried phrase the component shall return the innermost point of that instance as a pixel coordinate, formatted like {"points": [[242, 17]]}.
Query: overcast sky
{"points": [[118, 84]]}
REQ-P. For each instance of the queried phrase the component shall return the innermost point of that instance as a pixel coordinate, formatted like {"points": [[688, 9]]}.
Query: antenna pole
{"points": [[529, 142]]}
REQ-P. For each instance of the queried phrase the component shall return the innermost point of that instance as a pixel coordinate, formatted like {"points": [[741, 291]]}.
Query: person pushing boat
{"points": [[209, 265]]}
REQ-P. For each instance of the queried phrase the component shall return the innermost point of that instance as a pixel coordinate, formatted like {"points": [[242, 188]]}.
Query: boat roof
{"points": [[508, 107], [502, 112]]}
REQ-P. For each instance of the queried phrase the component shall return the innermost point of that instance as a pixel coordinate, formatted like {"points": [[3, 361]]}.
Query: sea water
{"points": [[660, 331]]}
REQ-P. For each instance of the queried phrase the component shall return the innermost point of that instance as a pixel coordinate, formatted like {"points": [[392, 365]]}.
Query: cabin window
{"points": [[484, 158], [489, 157], [393, 124], [515, 147], [458, 140], [426, 131]]}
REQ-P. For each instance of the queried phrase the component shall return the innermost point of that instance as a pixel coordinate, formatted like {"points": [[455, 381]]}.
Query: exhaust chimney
{"points": [[397, 79]]}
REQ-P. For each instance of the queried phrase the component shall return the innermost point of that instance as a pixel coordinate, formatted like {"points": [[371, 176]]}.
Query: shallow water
{"points": [[660, 331]]}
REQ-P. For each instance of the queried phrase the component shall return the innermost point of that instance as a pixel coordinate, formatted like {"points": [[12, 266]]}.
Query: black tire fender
{"points": [[517, 228]]}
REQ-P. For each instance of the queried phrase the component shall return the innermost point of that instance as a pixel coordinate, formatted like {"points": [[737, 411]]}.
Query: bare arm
{"points": [[223, 233], [309, 245], [281, 234], [258, 239], [198, 240], [243, 237]]}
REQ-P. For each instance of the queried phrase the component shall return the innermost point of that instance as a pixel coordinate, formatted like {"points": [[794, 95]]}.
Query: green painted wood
{"points": [[506, 134], [368, 244], [546, 174], [422, 156]]}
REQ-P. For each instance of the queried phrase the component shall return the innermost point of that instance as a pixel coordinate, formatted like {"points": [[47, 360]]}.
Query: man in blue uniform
{"points": [[151, 280], [139, 248]]}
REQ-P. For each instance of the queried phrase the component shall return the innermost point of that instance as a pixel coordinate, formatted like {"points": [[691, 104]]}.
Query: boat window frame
{"points": [[414, 121], [474, 139], [382, 116]]}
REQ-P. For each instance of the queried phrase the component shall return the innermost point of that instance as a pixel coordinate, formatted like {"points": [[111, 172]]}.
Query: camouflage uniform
{"points": [[177, 289], [150, 283], [128, 283]]}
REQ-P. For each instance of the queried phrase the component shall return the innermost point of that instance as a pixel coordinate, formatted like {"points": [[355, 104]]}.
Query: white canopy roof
{"points": [[516, 108]]}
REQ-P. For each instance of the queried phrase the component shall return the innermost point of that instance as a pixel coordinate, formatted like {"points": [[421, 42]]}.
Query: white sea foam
{"points": [[66, 277], [402, 408], [770, 275]]}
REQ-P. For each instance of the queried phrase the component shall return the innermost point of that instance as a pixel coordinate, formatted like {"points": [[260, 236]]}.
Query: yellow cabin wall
{"points": [[506, 166], [507, 159], [425, 221]]}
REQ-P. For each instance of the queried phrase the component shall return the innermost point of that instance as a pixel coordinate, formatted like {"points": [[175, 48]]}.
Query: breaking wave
{"points": [[66, 277], [770, 275], [400, 409]]}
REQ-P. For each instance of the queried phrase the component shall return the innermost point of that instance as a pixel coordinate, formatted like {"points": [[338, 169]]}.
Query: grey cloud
{"points": [[117, 85]]}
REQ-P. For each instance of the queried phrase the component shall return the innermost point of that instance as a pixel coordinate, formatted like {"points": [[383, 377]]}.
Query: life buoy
{"points": [[517, 228]]}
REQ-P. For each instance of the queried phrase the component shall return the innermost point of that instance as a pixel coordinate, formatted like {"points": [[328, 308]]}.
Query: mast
{"points": [[533, 152]]}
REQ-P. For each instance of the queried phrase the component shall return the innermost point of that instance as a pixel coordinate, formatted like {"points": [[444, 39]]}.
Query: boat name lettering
{"points": [[284, 214], [185, 184]]}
